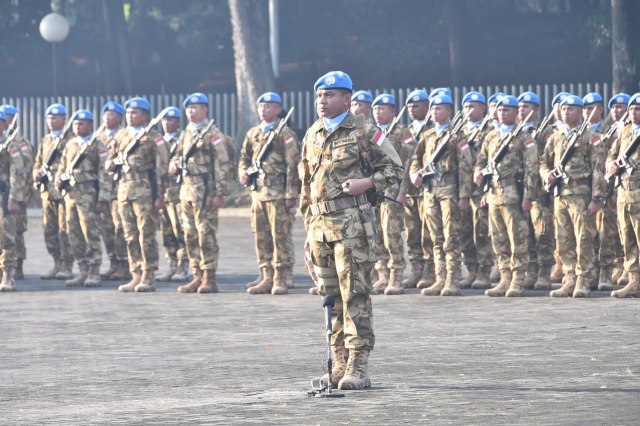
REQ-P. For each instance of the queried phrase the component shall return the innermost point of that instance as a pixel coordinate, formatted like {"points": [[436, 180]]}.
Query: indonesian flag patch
{"points": [[595, 141], [463, 145], [15, 152], [378, 138], [530, 144], [215, 140], [288, 139], [102, 153], [159, 141], [408, 139]]}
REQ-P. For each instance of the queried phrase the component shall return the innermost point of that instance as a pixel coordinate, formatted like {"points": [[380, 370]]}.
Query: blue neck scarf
{"points": [[331, 124]]}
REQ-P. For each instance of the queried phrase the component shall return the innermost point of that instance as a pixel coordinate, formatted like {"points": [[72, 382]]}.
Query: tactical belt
{"points": [[267, 182], [196, 179], [504, 182], [631, 185], [337, 204], [445, 180]]}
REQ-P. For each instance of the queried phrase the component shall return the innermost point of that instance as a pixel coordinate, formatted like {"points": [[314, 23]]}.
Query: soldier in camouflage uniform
{"points": [[628, 198], [204, 161], [110, 223], [140, 174], [340, 161], [276, 193], [579, 199], [391, 262], [53, 212], [512, 188], [81, 174], [446, 193], [13, 188], [361, 104]]}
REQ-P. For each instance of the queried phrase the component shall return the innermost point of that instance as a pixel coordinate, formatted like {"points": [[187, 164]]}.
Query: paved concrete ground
{"points": [[78, 356]]}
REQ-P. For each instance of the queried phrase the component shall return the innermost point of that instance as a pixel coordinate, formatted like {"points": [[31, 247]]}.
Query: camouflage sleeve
{"points": [[305, 189], [162, 163], [62, 165], [291, 159], [406, 154], [231, 152], [483, 155], [105, 183], [416, 159], [387, 169], [38, 161], [464, 167], [614, 151], [221, 164], [113, 149], [546, 162], [17, 182], [598, 157], [531, 167], [246, 155]]}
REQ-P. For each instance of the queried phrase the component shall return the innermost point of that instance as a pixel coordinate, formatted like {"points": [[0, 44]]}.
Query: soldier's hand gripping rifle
{"points": [[12, 133], [559, 171], [184, 158], [121, 162], [67, 178], [491, 169], [543, 125], [617, 125], [430, 170], [624, 164], [255, 171]]}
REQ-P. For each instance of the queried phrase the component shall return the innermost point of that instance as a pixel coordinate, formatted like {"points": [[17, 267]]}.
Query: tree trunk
{"points": [[624, 65], [116, 64], [254, 75]]}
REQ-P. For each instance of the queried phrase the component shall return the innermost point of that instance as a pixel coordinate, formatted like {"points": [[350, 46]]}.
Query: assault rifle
{"points": [[491, 169], [184, 158], [476, 132], [430, 170], [558, 171], [12, 133], [67, 178], [617, 125], [255, 171], [45, 175], [543, 125], [625, 164], [121, 162], [395, 122]]}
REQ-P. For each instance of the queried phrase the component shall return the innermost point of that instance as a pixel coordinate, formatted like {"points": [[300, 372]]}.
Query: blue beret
{"points": [[140, 103], [557, 99], [362, 96], [195, 98], [508, 101], [439, 91], [495, 97], [112, 106], [530, 98], [417, 96], [635, 100], [269, 97], [334, 80], [384, 99], [620, 98], [592, 98], [572, 100], [9, 109], [83, 114], [3, 116], [474, 97], [441, 100], [56, 109], [172, 112]]}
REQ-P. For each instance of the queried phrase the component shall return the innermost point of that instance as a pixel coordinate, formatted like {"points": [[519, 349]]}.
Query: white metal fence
{"points": [[223, 105]]}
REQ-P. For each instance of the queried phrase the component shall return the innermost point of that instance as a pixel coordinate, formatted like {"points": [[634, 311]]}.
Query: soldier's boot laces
{"points": [[503, 285], [482, 280], [93, 279], [265, 285], [79, 279], [517, 285], [19, 273], [630, 290], [280, 281], [147, 282], [582, 287], [208, 284], [532, 276], [131, 285], [166, 276], [436, 288], [451, 286], [472, 273], [605, 282], [355, 376], [382, 282], [428, 275], [194, 284], [182, 273], [290, 283], [556, 273], [339, 356], [395, 283], [122, 273], [113, 267], [51, 273], [65, 272], [624, 278], [417, 268], [494, 275], [568, 285], [544, 278], [8, 283]]}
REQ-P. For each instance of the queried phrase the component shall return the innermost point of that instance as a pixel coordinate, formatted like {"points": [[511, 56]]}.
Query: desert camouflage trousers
{"points": [[84, 227], [419, 245], [139, 222], [474, 235], [7, 240], [575, 234], [629, 220], [608, 244], [112, 232], [56, 238], [389, 242], [509, 236], [442, 217], [271, 222], [172, 234], [200, 225], [542, 242]]}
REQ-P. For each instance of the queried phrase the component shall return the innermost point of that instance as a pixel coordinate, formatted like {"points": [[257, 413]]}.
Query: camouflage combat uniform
{"points": [[21, 217]]}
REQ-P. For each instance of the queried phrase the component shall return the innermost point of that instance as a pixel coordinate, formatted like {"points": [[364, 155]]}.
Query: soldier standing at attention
{"points": [[340, 162], [53, 220], [580, 197], [139, 160], [277, 191], [81, 174], [12, 191], [203, 160]]}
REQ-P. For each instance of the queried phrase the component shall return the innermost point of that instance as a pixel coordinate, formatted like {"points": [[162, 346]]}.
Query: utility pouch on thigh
{"points": [[328, 283]]}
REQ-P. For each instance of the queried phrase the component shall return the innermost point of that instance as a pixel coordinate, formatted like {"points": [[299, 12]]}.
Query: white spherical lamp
{"points": [[54, 28]]}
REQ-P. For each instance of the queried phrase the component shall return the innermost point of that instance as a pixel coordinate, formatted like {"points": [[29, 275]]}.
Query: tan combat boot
{"points": [[417, 267], [113, 267], [65, 272], [472, 273], [624, 278], [436, 288], [93, 279], [451, 286], [173, 267], [382, 282], [517, 285], [280, 281], [266, 284], [582, 288], [568, 285], [544, 278], [182, 273], [147, 282], [122, 273], [605, 281], [503, 285], [290, 283], [630, 290], [257, 281], [79, 279], [428, 275], [482, 280], [532, 276], [131, 285], [8, 283], [51, 273], [18, 274], [494, 275], [339, 356], [208, 284], [192, 286], [395, 283], [355, 376], [556, 272]]}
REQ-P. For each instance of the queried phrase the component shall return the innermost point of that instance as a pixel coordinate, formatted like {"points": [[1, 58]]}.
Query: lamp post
{"points": [[54, 28]]}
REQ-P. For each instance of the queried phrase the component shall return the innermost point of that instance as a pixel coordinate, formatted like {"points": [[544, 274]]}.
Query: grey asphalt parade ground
{"points": [[96, 356]]}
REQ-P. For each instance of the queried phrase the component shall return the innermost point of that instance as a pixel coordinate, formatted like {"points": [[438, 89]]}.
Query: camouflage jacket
{"points": [[518, 175], [328, 160], [627, 194], [452, 165], [585, 168], [172, 187], [107, 138], [280, 164], [89, 172], [474, 149], [404, 144], [407, 187], [12, 173], [45, 148]]}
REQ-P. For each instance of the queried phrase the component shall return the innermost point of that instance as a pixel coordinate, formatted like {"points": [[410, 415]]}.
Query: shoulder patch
{"points": [[407, 139], [378, 138], [103, 153], [15, 152], [530, 143], [159, 141], [215, 140], [288, 139], [595, 141], [463, 145]]}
